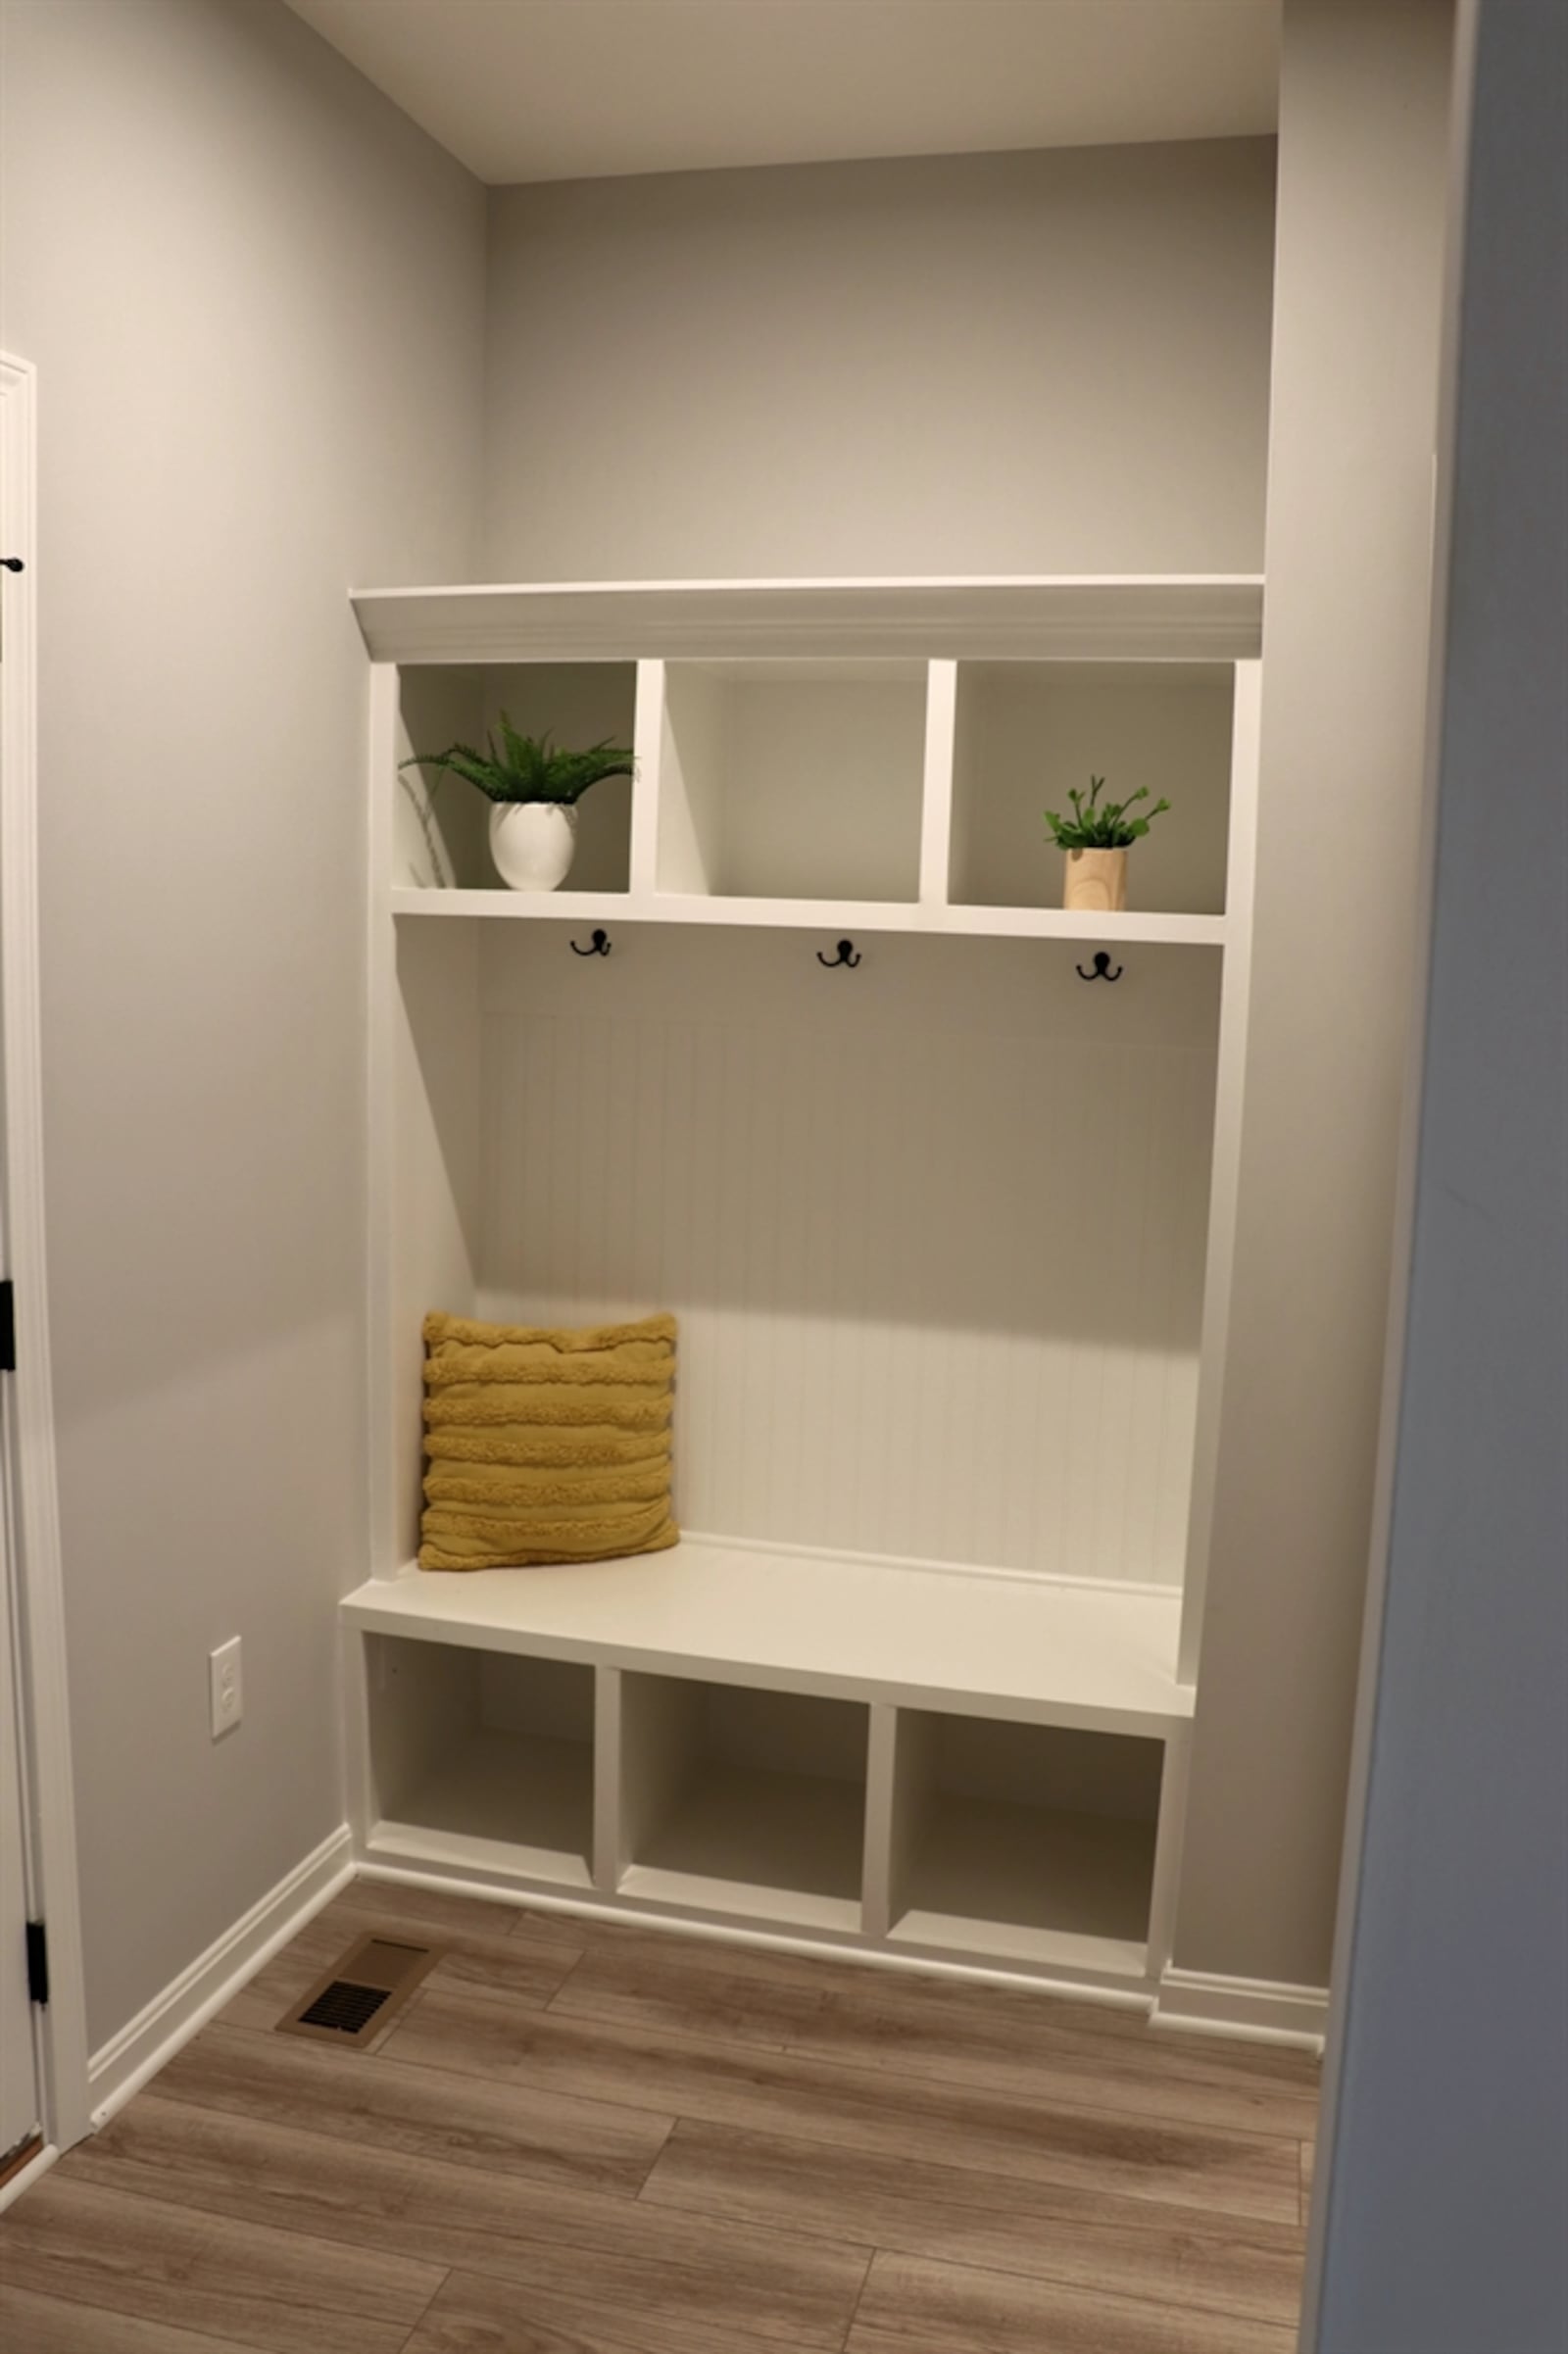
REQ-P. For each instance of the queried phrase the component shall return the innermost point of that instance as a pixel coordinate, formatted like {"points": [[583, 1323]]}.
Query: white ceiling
{"points": [[580, 89]]}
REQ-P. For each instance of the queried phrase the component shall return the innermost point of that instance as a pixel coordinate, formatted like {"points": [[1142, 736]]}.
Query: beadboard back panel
{"points": [[933, 1226]]}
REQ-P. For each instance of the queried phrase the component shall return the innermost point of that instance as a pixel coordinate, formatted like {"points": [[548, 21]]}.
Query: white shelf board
{"points": [[1034, 1883], [1177, 616], [1066, 1951], [414, 1846], [734, 1899], [518, 1800], [1135, 928], [1036, 1652], [758, 1847]]}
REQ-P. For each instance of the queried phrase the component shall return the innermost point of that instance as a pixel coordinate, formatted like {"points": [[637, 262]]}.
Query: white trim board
{"points": [[28, 1402], [151, 2040], [1255, 2010]]}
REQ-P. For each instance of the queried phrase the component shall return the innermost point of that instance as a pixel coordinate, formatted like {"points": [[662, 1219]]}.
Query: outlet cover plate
{"points": [[225, 1687]]}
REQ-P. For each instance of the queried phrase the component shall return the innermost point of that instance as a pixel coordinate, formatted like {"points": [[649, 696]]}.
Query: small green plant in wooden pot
{"points": [[533, 789], [1096, 838]]}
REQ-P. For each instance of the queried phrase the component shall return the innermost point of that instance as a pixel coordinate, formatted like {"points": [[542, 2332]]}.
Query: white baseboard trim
{"points": [[39, 2164], [924, 1964], [1256, 2010], [152, 2038]]}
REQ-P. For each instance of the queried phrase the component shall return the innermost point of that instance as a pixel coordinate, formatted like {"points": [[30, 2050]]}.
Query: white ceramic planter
{"points": [[532, 843]]}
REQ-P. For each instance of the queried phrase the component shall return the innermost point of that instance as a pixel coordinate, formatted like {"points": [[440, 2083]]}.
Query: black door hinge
{"points": [[37, 1962], [7, 1327]]}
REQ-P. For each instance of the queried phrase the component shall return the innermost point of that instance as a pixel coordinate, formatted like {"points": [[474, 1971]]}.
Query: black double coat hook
{"points": [[599, 947], [848, 954], [1101, 968]]}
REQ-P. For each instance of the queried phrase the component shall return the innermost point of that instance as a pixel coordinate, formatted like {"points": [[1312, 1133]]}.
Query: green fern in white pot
{"points": [[533, 789]]}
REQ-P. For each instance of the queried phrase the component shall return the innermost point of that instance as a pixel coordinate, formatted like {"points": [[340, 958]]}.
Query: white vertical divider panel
{"points": [[1168, 1847], [354, 1651], [660, 1722], [898, 1788], [388, 1552], [422, 1138], [690, 769], [936, 810], [435, 1177], [609, 1780], [1225, 1169], [912, 1771], [876, 1877], [648, 743]]}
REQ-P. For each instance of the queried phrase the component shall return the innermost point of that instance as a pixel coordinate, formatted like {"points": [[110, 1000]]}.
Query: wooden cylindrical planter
{"points": [[1096, 880]]}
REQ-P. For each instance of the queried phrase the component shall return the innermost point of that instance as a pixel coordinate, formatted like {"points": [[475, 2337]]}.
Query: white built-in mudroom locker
{"points": [[938, 1178]]}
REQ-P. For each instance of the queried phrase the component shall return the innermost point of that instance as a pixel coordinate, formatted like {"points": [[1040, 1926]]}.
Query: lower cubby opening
{"points": [[742, 1801], [1033, 1841], [482, 1758]]}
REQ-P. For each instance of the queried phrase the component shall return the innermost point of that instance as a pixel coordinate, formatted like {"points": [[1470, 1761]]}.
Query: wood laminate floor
{"points": [[582, 2137]]}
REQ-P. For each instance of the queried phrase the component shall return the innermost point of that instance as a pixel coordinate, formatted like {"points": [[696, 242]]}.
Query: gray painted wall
{"points": [[1444, 2228], [1362, 204], [981, 364], [254, 294]]}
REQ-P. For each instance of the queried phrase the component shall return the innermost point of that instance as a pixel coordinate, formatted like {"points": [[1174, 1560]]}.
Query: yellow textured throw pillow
{"points": [[546, 1445]]}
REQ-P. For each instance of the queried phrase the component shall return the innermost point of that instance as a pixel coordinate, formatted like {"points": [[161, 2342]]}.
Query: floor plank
{"points": [[474, 2315], [443, 1913], [279, 1983], [912, 2306], [287, 2292], [1064, 2015], [34, 2325], [484, 1948], [699, 2270], [461, 2030], [1131, 2247], [465, 2121], [23, 2155], [941, 2028]]}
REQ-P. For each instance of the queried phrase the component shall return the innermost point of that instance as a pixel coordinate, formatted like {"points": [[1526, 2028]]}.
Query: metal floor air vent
{"points": [[361, 1993]]}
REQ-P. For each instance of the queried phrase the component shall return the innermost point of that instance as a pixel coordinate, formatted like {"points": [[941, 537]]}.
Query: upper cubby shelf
{"points": [[1149, 616], [830, 756]]}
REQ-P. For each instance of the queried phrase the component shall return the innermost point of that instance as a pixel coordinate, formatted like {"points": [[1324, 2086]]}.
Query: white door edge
{"points": [[28, 1401]]}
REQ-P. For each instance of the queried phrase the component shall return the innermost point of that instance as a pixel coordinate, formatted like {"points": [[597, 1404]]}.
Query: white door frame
{"points": [[28, 1400]]}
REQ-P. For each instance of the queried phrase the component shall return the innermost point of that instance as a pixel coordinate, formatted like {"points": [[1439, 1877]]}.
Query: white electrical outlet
{"points": [[226, 1689]]}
